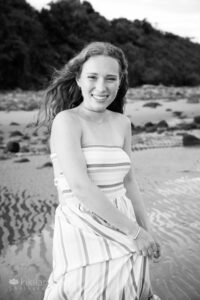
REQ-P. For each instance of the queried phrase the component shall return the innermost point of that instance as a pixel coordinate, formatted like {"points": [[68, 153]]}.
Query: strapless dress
{"points": [[92, 259]]}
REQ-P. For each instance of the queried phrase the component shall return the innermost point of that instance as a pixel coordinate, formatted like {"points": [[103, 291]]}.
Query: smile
{"points": [[100, 98]]}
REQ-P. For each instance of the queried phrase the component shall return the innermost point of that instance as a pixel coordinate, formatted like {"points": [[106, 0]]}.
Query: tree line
{"points": [[34, 43]]}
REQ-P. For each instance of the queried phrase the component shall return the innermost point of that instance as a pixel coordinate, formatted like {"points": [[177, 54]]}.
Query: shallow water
{"points": [[169, 180]]}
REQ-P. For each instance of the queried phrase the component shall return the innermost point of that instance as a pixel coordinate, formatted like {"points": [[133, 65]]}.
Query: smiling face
{"points": [[99, 82]]}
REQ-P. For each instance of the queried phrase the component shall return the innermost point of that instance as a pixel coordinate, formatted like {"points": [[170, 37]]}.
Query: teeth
{"points": [[100, 97]]}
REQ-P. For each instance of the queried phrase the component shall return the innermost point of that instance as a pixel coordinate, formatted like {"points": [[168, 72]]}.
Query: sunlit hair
{"points": [[64, 93]]}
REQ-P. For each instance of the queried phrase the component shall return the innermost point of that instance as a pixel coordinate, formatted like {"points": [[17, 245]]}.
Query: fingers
{"points": [[143, 252], [150, 252], [148, 246], [143, 243], [153, 251], [157, 253], [154, 247]]}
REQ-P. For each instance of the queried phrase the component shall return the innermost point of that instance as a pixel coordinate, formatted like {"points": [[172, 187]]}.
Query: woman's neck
{"points": [[98, 117]]}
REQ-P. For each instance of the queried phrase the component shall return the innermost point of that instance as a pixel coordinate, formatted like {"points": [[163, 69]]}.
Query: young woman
{"points": [[102, 236]]}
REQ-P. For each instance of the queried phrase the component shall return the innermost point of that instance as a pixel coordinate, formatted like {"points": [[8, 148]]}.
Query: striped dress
{"points": [[91, 259]]}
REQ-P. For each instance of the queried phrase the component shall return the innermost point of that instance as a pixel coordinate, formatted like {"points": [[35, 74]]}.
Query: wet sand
{"points": [[170, 183], [169, 180]]}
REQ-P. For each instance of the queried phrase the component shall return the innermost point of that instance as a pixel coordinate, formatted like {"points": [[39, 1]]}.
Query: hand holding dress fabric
{"points": [[145, 243]]}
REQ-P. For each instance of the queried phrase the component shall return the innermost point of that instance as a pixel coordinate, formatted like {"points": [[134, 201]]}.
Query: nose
{"points": [[100, 85]]}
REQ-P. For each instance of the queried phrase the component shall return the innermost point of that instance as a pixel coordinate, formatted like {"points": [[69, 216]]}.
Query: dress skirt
{"points": [[91, 259]]}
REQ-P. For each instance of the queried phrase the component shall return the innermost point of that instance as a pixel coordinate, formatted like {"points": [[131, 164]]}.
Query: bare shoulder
{"points": [[65, 127], [66, 120], [66, 117]]}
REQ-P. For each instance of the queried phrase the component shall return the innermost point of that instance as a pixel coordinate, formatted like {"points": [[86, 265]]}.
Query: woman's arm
{"points": [[133, 192], [152, 247], [66, 142]]}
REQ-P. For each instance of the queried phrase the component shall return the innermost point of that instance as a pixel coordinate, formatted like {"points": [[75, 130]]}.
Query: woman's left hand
{"points": [[154, 252]]}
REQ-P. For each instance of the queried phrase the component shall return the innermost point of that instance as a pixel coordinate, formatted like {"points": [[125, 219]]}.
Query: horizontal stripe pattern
{"points": [[106, 166], [91, 258]]}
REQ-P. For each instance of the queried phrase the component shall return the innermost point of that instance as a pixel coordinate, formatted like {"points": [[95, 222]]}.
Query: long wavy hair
{"points": [[63, 92]]}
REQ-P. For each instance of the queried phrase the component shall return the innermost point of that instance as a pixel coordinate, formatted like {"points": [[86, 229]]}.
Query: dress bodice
{"points": [[106, 167]]}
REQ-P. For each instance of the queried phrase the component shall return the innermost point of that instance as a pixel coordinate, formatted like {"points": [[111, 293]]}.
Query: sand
{"points": [[169, 179], [170, 190]]}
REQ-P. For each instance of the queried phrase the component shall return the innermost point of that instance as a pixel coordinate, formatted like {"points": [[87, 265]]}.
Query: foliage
{"points": [[33, 43]]}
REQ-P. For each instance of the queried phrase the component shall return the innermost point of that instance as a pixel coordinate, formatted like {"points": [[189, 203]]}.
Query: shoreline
{"points": [[152, 127]]}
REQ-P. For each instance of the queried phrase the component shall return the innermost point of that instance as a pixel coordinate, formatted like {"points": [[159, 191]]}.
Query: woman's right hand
{"points": [[145, 243]]}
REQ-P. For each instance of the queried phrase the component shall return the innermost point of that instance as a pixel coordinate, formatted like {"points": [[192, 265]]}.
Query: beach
{"points": [[168, 175]]}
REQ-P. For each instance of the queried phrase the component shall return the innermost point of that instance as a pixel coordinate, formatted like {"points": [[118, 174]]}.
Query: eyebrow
{"points": [[107, 75]]}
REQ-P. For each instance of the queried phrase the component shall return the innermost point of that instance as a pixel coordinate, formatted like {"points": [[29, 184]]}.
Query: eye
{"points": [[92, 77], [111, 78]]}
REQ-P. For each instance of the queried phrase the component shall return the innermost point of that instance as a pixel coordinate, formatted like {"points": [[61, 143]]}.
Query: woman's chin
{"points": [[99, 106]]}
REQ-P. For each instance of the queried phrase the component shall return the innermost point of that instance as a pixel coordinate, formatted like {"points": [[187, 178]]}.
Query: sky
{"points": [[181, 17]]}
